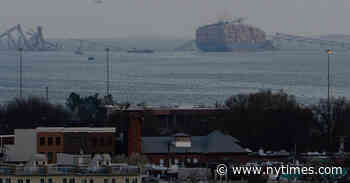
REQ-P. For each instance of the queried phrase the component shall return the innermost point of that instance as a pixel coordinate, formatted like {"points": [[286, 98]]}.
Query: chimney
{"points": [[134, 134]]}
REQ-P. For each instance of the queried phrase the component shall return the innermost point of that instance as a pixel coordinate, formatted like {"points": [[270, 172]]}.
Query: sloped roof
{"points": [[221, 143], [215, 142]]}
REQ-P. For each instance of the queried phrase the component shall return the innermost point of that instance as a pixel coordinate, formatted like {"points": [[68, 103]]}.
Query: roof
{"points": [[199, 144], [75, 129], [170, 108], [37, 157], [181, 135]]}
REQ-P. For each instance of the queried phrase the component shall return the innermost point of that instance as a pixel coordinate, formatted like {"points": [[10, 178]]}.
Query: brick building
{"points": [[159, 121], [179, 148]]}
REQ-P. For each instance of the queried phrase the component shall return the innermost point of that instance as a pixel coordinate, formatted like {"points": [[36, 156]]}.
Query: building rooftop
{"points": [[75, 129], [68, 170], [215, 142], [170, 107]]}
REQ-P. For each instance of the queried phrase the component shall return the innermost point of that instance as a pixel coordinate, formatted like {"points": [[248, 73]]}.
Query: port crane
{"points": [[31, 40]]}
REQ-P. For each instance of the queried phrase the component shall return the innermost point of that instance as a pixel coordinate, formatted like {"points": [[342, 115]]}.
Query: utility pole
{"points": [[329, 120], [47, 93], [20, 50], [107, 69]]}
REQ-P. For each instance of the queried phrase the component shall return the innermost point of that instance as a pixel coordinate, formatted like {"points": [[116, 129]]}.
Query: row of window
{"points": [[177, 161], [95, 141], [49, 141], [8, 180], [65, 180], [102, 141]]}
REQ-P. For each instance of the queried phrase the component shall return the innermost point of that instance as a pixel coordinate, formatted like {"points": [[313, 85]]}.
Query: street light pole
{"points": [[107, 69], [20, 71], [329, 120]]}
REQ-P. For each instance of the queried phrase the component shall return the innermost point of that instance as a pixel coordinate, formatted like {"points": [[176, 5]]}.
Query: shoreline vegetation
{"points": [[265, 119]]}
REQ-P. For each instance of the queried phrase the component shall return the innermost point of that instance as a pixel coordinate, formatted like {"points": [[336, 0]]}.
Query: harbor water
{"points": [[175, 78]]}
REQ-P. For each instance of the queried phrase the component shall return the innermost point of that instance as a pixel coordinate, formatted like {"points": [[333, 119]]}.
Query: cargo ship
{"points": [[229, 36]]}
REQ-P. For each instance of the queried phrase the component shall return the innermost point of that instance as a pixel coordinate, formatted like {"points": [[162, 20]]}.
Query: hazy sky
{"points": [[172, 18]]}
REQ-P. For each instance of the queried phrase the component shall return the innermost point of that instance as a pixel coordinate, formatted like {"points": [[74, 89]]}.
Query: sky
{"points": [[172, 18]]}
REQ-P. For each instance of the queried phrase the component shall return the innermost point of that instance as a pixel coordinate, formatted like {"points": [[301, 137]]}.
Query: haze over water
{"points": [[169, 78]]}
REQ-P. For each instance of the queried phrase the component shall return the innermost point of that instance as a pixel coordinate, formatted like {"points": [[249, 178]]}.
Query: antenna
{"points": [[20, 50]]}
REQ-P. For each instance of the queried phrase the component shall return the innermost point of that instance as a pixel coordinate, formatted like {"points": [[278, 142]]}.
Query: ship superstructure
{"points": [[231, 36]]}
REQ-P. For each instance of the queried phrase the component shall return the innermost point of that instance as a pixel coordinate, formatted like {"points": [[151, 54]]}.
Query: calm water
{"points": [[175, 77]]}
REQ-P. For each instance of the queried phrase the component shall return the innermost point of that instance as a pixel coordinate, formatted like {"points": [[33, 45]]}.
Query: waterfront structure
{"points": [[53, 140]]}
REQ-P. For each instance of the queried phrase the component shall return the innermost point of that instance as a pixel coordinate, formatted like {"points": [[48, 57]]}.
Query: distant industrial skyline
{"points": [[173, 19]]}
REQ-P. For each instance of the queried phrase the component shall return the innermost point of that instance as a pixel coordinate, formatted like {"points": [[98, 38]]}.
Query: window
{"points": [[20, 181], [72, 180], [42, 141], [91, 180], [64, 180], [58, 140], [8, 180], [113, 180], [105, 181], [50, 156], [126, 180], [161, 162], [49, 180], [42, 180], [83, 181], [195, 160], [49, 141], [134, 180], [1, 181], [27, 180]]}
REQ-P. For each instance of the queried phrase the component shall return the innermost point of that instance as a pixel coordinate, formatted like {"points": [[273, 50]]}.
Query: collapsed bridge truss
{"points": [[31, 40]]}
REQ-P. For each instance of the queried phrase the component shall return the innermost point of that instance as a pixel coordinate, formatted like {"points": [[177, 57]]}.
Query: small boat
{"points": [[134, 50], [91, 58], [79, 50]]}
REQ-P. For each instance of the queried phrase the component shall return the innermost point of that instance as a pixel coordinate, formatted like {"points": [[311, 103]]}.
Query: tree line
{"points": [[264, 119]]}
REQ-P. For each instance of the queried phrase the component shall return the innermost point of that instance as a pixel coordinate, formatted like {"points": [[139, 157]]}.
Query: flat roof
{"points": [[6, 136], [76, 129], [175, 107]]}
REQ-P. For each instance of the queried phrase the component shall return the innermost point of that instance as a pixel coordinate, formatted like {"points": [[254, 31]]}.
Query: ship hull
{"points": [[233, 47]]}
